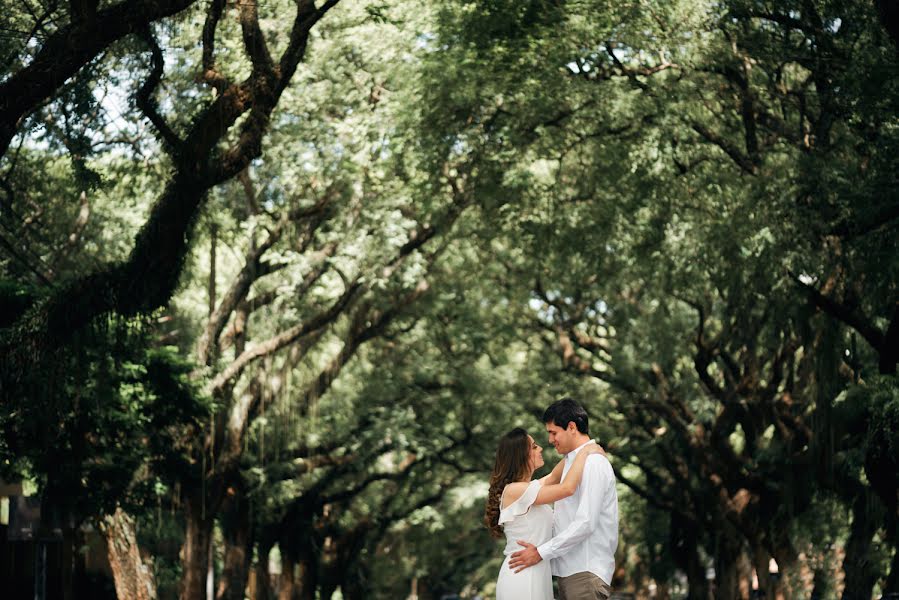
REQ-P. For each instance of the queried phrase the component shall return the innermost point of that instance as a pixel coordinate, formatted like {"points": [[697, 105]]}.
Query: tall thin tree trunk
{"points": [[308, 580], [787, 560], [860, 574], [68, 562], [133, 577], [662, 592], [685, 549], [237, 532], [728, 547], [354, 584], [213, 238], [892, 583], [195, 551], [326, 591], [288, 577], [760, 560], [745, 573], [263, 583]]}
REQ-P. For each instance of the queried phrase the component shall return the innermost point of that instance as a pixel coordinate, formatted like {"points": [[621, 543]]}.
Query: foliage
{"points": [[683, 214], [87, 441]]}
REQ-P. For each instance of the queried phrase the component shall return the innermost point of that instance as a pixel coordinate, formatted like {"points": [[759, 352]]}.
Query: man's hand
{"points": [[523, 559]]}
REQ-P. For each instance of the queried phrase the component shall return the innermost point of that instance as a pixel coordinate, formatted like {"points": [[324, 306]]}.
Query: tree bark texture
{"points": [[307, 579], [685, 550], [195, 550], [133, 577], [262, 583], [237, 530], [760, 560], [729, 546], [860, 574], [287, 582]]}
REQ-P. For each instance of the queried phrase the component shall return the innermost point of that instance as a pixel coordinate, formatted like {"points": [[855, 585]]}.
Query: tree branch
{"points": [[254, 40], [741, 160], [251, 272], [365, 325], [846, 315], [148, 278], [285, 338], [211, 74], [66, 51], [144, 97]]}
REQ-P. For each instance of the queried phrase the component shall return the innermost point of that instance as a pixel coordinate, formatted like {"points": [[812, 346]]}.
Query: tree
{"points": [[146, 280], [645, 149], [683, 214]]}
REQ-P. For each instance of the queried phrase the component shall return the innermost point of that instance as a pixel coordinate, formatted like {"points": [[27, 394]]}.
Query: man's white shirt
{"points": [[585, 525]]}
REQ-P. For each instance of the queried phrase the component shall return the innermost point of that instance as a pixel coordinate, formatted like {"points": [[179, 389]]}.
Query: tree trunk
{"points": [[329, 579], [195, 551], [745, 574], [354, 584], [133, 577], [326, 592], [860, 574], [662, 592], [760, 560], [697, 584], [287, 583], [728, 548], [685, 550], [238, 548], [307, 580], [786, 558], [892, 583], [68, 562], [263, 583]]}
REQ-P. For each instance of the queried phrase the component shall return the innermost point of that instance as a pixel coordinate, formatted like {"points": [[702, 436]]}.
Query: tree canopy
{"points": [[276, 277]]}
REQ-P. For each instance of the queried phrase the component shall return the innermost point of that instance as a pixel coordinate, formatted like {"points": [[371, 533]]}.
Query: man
{"points": [[586, 524]]}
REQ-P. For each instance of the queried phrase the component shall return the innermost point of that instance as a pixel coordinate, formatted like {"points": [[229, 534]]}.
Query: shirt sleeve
{"points": [[593, 483]]}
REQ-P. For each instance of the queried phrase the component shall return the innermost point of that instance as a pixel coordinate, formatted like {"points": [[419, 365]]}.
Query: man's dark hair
{"points": [[561, 412]]}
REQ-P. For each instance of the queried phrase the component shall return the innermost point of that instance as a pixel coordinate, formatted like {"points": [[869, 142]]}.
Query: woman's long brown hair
{"points": [[511, 464]]}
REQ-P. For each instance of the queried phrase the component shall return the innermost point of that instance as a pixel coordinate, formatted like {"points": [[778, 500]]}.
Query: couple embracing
{"points": [[576, 539]]}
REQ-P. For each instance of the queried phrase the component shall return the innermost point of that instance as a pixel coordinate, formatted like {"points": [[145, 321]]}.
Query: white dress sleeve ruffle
{"points": [[522, 505]]}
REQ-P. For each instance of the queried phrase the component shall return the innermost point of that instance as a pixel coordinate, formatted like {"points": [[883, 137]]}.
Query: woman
{"points": [[518, 508]]}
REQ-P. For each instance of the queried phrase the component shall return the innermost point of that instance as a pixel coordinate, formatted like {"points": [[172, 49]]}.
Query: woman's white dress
{"points": [[523, 520]]}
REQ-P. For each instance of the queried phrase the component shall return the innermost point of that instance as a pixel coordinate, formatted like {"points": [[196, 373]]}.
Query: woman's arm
{"points": [[555, 476], [553, 492]]}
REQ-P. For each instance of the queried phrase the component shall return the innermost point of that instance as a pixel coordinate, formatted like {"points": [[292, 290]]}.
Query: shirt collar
{"points": [[570, 456]]}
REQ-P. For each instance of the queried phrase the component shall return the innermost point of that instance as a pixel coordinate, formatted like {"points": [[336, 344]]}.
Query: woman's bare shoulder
{"points": [[513, 492]]}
